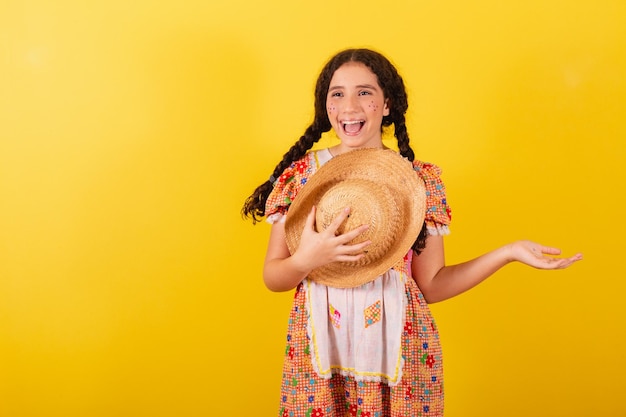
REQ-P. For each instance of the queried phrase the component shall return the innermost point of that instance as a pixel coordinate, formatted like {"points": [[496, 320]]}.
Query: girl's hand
{"points": [[539, 256], [320, 248]]}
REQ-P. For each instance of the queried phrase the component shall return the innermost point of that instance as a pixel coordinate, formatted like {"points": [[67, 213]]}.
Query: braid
{"points": [[404, 146], [405, 150], [254, 206], [403, 139]]}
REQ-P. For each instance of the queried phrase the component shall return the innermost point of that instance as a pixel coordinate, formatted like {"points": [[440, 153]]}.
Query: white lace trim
{"points": [[438, 229], [275, 218]]}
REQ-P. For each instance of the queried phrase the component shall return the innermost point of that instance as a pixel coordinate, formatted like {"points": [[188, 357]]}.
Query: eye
{"points": [[365, 93], [336, 94]]}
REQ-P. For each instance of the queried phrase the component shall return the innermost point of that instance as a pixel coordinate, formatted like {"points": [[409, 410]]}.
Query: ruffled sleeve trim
{"points": [[275, 218], [438, 213], [435, 229]]}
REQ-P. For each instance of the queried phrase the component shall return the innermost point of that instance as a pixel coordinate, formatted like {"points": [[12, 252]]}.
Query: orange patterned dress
{"points": [[311, 390]]}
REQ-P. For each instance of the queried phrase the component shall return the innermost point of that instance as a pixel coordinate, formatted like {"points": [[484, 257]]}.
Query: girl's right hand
{"points": [[320, 248]]}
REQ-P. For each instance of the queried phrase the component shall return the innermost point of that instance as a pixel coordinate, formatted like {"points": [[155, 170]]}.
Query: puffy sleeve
{"points": [[286, 188], [438, 213]]}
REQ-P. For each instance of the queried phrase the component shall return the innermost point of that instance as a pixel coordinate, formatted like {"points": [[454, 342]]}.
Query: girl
{"points": [[357, 93]]}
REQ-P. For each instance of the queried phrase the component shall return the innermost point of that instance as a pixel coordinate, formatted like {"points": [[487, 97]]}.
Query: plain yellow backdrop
{"points": [[132, 132]]}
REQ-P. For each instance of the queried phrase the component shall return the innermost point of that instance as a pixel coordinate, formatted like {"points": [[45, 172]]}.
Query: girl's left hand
{"points": [[539, 256]]}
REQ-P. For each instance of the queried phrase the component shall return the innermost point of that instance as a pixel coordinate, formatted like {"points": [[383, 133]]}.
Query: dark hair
{"points": [[394, 91]]}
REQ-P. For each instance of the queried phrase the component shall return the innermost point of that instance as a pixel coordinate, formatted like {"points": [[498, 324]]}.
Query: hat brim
{"points": [[385, 168]]}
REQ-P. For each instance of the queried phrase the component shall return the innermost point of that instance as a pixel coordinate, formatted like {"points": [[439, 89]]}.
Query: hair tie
{"points": [[272, 179]]}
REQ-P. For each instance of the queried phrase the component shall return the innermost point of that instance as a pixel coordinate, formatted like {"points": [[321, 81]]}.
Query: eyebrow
{"points": [[370, 86]]}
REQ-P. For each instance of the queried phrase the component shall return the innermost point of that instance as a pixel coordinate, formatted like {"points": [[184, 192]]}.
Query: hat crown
{"points": [[370, 203]]}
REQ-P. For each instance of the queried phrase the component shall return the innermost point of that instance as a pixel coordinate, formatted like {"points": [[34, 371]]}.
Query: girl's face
{"points": [[355, 105]]}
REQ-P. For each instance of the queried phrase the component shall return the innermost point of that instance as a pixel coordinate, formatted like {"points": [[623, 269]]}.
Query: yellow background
{"points": [[131, 133]]}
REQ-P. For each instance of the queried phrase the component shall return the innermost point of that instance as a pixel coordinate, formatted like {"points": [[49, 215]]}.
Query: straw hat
{"points": [[382, 190]]}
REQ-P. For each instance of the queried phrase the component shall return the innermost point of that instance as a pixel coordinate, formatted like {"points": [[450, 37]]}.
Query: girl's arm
{"points": [[439, 282], [283, 271]]}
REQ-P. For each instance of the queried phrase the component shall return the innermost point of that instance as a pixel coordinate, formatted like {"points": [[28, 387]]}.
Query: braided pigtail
{"points": [[403, 140], [406, 151], [254, 206]]}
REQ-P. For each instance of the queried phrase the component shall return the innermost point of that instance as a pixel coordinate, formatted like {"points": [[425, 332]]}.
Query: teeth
{"points": [[352, 126]]}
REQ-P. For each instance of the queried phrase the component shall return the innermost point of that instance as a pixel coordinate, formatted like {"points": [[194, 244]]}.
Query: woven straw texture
{"points": [[382, 190]]}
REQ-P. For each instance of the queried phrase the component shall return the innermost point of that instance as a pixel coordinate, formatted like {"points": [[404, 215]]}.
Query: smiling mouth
{"points": [[353, 126]]}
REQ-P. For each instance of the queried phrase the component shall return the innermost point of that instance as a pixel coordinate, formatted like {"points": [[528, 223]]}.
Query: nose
{"points": [[352, 103]]}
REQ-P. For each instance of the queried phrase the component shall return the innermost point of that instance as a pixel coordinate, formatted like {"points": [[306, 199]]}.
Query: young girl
{"points": [[357, 93]]}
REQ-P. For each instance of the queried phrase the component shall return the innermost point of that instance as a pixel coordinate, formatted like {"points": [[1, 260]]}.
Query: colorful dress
{"points": [[370, 351]]}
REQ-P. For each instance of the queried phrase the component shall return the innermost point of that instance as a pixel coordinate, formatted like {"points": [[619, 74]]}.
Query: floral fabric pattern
{"points": [[288, 184], [438, 213], [420, 390]]}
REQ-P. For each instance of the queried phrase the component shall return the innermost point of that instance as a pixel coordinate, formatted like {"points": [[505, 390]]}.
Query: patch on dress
{"points": [[335, 316], [372, 314]]}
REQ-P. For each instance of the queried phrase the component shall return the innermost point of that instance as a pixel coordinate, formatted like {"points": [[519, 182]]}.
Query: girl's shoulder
{"points": [[430, 174], [426, 168], [289, 183], [300, 168], [438, 212]]}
